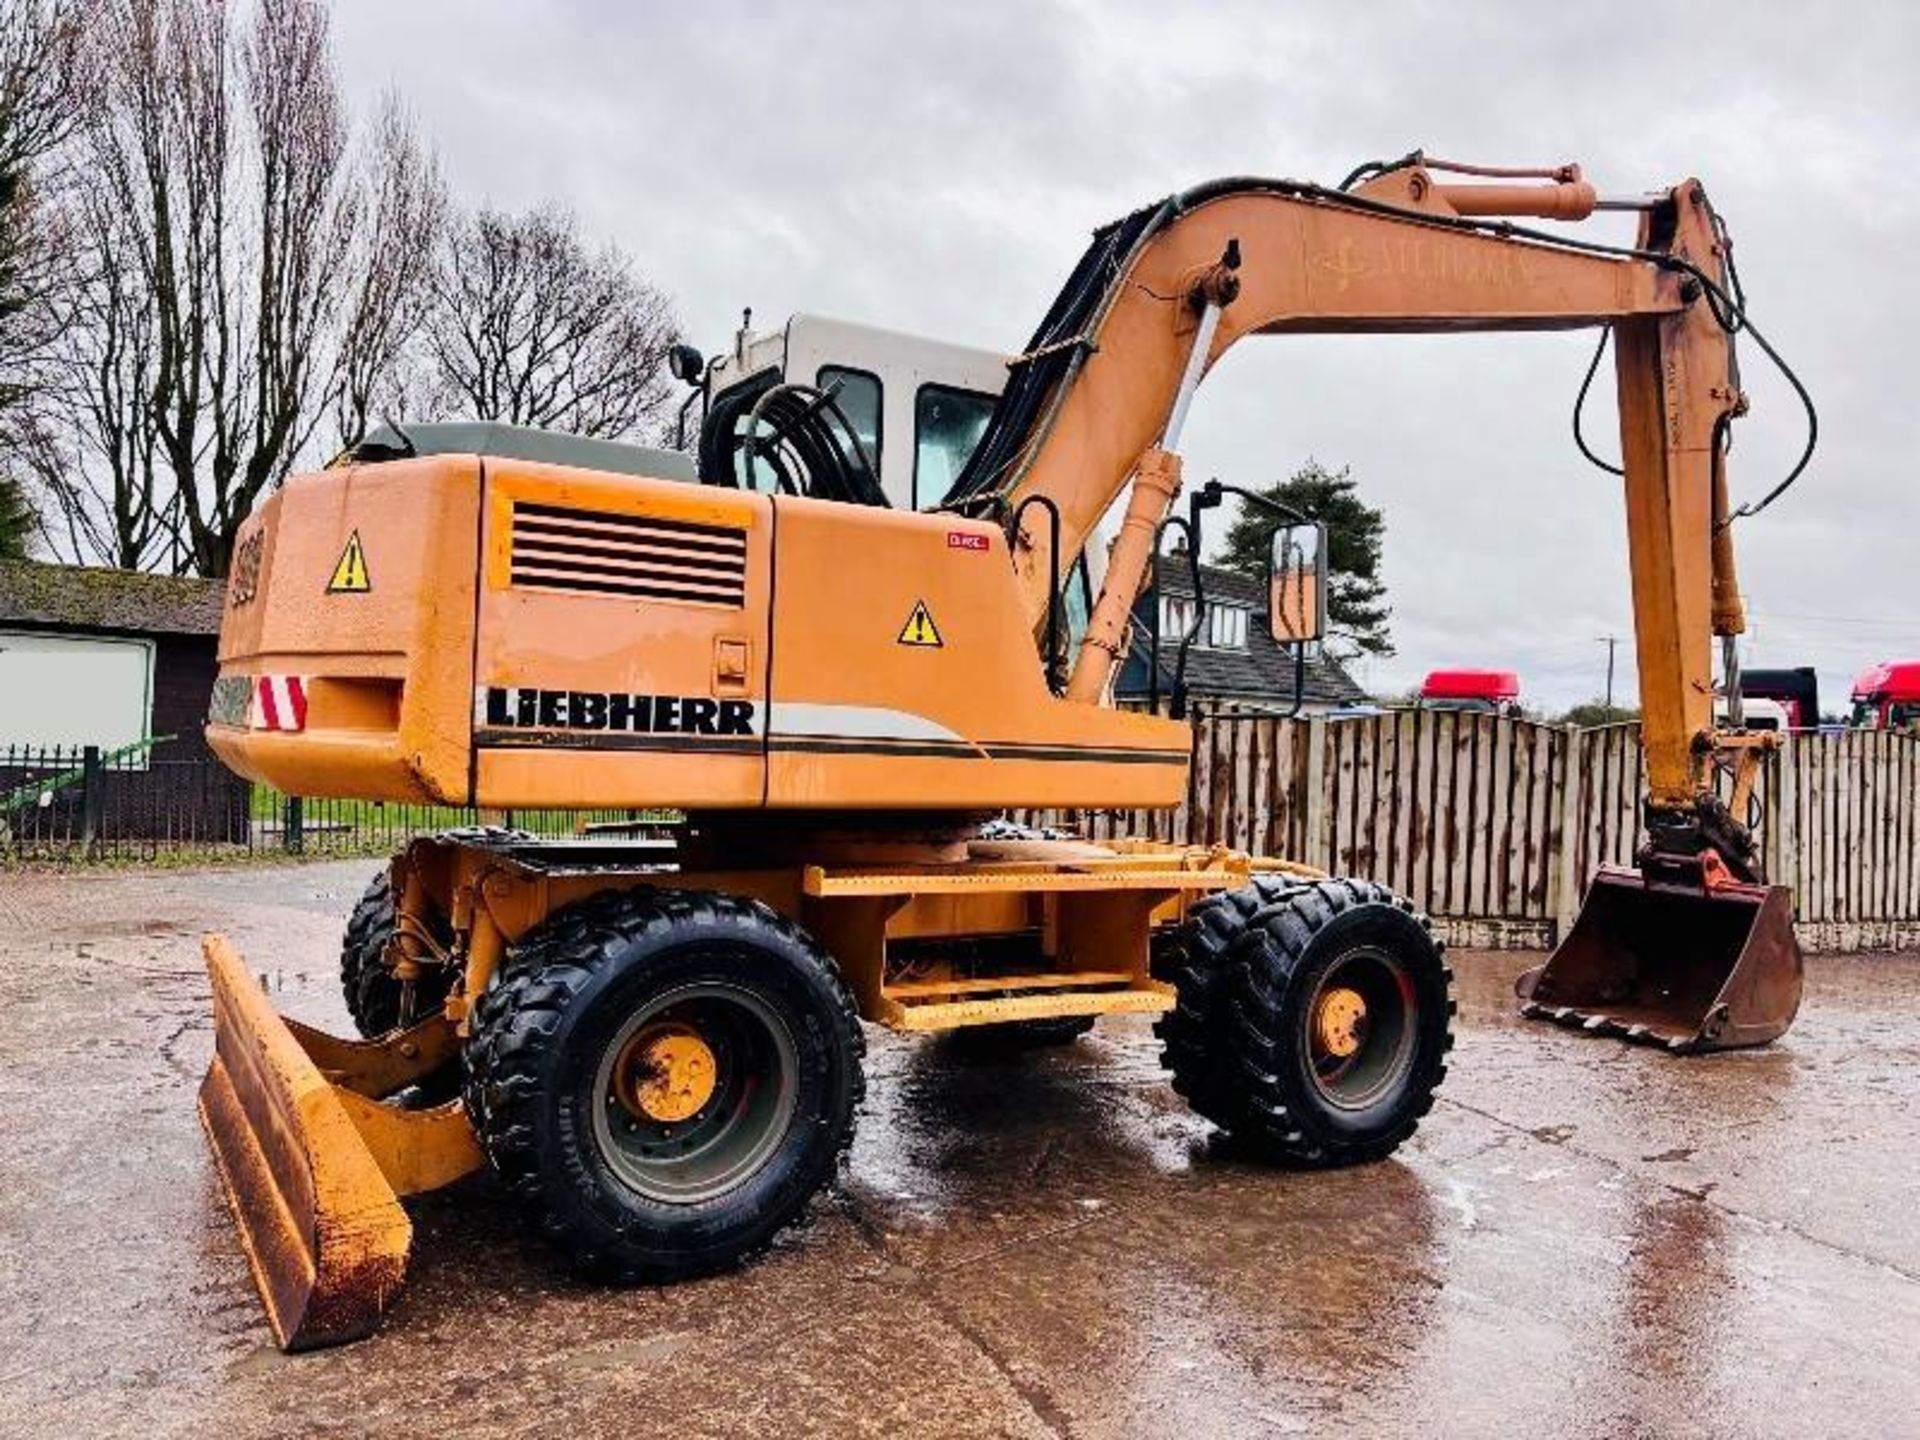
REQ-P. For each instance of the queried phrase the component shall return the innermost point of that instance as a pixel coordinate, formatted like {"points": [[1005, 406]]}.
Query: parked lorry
{"points": [[1795, 691], [1756, 713], [1493, 692], [1887, 697]]}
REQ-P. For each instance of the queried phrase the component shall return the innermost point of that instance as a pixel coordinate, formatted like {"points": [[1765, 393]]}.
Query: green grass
{"points": [[323, 818]]}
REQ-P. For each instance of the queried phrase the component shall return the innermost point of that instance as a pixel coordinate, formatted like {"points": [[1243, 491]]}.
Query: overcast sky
{"points": [[936, 168]]}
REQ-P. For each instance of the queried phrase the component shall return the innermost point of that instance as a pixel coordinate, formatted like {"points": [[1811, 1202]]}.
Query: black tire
{"points": [[1197, 959], [1299, 1101], [373, 995], [487, 835], [548, 1029]]}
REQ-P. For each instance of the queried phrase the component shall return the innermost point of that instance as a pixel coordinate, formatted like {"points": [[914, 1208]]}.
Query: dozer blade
{"points": [[1688, 967], [321, 1225]]}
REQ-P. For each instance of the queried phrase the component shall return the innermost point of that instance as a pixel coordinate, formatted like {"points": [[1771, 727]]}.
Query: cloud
{"points": [[936, 167]]}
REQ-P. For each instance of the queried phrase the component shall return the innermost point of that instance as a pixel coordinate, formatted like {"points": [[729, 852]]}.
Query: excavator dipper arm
{"points": [[1405, 253]]}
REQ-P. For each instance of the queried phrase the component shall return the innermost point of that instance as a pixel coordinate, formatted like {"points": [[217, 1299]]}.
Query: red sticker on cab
{"points": [[966, 540]]}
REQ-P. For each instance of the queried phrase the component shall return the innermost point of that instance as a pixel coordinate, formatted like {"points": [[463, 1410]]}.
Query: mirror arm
{"points": [[680, 425], [1190, 527], [1208, 497], [1214, 491]]}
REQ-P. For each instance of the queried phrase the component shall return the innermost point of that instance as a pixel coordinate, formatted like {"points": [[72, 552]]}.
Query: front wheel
{"points": [[664, 1078], [1341, 1020]]}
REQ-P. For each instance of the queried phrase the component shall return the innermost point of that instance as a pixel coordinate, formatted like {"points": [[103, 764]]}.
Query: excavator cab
{"points": [[839, 410]]}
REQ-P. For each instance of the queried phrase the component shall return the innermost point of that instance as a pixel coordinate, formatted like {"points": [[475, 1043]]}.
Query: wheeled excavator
{"points": [[657, 1048]]}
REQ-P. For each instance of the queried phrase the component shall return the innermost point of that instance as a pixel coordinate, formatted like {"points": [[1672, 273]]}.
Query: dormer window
{"points": [[1226, 627]]}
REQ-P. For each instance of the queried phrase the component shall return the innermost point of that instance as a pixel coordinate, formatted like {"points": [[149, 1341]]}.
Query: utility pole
{"points": [[1609, 641]]}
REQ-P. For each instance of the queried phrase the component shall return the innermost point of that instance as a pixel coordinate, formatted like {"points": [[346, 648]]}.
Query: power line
{"points": [[1877, 620]]}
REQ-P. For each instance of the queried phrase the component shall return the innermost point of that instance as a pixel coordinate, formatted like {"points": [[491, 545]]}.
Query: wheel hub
{"points": [[1340, 1022], [666, 1073]]}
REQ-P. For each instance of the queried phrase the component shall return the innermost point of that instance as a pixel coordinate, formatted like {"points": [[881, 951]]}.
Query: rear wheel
{"points": [[664, 1078]]}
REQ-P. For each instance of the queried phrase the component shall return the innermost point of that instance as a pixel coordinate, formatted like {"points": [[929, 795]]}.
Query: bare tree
{"points": [[242, 285], [90, 437], [394, 263], [241, 274], [531, 326], [39, 105]]}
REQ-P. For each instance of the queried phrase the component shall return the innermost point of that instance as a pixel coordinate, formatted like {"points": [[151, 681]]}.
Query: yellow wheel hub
{"points": [[1340, 1022], [667, 1073]]}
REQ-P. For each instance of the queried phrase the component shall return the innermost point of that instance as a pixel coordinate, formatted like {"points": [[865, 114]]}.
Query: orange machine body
{"points": [[619, 643]]}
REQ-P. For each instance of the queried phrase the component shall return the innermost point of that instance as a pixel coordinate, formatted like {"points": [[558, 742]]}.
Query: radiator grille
{"points": [[644, 556]]}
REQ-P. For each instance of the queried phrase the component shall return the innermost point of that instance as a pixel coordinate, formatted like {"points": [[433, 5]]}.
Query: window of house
{"points": [[947, 426], [1176, 616], [859, 400], [1227, 627]]}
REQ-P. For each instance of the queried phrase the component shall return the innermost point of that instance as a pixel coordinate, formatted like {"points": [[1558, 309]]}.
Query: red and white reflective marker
{"points": [[279, 703]]}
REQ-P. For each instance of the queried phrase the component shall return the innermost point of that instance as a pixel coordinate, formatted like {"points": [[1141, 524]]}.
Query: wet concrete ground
{"points": [[1583, 1239]]}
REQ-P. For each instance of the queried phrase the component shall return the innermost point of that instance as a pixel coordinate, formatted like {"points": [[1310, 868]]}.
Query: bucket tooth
{"points": [[1685, 967], [322, 1228]]}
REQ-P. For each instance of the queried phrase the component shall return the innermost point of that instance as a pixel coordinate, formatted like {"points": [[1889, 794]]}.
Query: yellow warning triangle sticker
{"points": [[350, 572], [920, 629]]}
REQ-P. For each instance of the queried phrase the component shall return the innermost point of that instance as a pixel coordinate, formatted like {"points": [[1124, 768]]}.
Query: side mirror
{"points": [[686, 364], [1297, 583]]}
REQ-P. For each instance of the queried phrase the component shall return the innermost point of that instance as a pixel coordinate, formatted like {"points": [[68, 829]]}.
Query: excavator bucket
{"points": [[1713, 966], [312, 1164]]}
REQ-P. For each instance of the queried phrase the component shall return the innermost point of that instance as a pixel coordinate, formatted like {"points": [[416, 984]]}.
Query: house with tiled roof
{"points": [[1234, 660], [105, 657], [106, 674]]}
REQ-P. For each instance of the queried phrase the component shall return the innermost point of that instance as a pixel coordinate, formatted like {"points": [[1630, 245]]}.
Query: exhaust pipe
{"points": [[1685, 966]]}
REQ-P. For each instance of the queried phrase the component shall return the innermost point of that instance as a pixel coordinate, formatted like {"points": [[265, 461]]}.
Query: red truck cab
{"points": [[1493, 692], [1887, 697]]}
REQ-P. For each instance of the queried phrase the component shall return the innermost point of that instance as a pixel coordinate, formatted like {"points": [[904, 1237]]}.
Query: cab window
{"points": [[947, 426], [859, 400], [1076, 603]]}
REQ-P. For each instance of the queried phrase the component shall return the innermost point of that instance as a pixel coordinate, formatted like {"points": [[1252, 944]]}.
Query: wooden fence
{"points": [[1494, 826]]}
